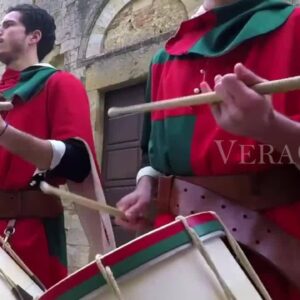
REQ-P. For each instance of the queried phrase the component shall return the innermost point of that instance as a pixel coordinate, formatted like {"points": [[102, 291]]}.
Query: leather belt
{"points": [[248, 227], [257, 191], [29, 203]]}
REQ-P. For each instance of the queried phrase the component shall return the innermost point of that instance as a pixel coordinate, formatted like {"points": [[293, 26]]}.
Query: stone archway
{"points": [[140, 20], [105, 35]]}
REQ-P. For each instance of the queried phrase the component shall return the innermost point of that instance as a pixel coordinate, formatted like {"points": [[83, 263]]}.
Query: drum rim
{"points": [[133, 255]]}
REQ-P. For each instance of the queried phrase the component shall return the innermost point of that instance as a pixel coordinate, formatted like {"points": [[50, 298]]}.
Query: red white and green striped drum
{"points": [[163, 264]]}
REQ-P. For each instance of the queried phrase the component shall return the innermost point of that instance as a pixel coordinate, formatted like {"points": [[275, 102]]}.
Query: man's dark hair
{"points": [[36, 18]]}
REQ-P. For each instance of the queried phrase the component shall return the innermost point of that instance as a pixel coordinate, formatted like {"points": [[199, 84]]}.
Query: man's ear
{"points": [[35, 37]]}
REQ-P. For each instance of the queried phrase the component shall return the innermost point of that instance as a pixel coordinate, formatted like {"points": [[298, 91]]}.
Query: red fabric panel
{"points": [[190, 32]]}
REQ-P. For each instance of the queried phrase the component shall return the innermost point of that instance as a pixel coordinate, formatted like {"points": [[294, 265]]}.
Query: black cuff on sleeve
{"points": [[75, 164]]}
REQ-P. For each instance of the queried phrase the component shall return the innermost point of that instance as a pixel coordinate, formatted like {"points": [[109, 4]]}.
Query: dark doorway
{"points": [[121, 152]]}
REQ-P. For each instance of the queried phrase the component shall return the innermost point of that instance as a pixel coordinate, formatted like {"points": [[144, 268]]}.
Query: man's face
{"points": [[13, 38]]}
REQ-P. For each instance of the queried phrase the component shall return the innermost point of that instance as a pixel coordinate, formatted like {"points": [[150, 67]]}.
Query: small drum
{"points": [[186, 259], [15, 283]]}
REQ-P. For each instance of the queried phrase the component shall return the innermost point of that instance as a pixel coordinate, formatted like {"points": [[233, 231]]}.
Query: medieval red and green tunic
{"points": [[261, 34], [48, 104]]}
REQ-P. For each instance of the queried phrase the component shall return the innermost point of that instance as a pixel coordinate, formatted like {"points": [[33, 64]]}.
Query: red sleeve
{"points": [[68, 109]]}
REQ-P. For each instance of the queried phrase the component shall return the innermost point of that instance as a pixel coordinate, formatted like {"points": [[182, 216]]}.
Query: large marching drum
{"points": [[191, 258]]}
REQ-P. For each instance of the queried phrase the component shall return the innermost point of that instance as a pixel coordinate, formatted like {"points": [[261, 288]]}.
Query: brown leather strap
{"points": [[27, 204], [164, 194], [248, 227], [257, 191]]}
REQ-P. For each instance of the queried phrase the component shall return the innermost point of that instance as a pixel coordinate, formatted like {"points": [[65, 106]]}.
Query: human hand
{"points": [[135, 205], [243, 111]]}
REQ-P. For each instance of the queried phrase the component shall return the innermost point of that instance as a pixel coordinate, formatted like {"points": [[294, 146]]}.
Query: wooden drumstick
{"points": [[268, 87], [48, 189]]}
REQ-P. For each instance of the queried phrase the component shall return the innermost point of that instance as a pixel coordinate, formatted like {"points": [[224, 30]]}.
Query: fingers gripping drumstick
{"points": [[268, 87]]}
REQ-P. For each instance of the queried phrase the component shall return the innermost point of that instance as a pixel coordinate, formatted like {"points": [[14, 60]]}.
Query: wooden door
{"points": [[121, 150]]}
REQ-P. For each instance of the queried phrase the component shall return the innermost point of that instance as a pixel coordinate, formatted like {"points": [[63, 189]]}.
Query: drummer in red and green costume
{"points": [[217, 49], [48, 129]]}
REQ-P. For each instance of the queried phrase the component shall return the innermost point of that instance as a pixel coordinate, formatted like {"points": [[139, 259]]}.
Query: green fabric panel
{"points": [[146, 123], [161, 57], [56, 237], [31, 82], [170, 152], [240, 22], [140, 259]]}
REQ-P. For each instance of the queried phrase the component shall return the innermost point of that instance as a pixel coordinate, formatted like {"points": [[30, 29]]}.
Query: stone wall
{"points": [[141, 20], [107, 44]]}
